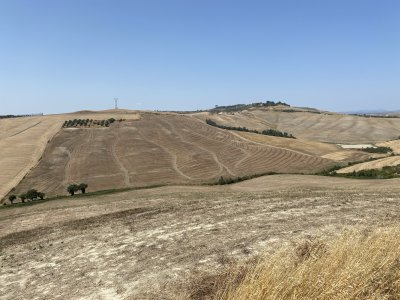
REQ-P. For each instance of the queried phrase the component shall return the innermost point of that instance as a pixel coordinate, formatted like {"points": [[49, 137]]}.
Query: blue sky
{"points": [[61, 56]]}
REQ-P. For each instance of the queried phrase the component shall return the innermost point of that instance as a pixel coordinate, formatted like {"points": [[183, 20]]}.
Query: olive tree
{"points": [[82, 187], [72, 189]]}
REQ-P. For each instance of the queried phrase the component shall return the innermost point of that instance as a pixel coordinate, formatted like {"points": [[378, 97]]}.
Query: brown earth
{"points": [[160, 149], [146, 244]]}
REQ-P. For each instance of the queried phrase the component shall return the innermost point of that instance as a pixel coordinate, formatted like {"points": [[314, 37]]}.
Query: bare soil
{"points": [[146, 244]]}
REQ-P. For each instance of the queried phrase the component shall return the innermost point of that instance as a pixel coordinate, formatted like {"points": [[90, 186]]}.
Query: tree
{"points": [[221, 181], [12, 198], [41, 195], [82, 187], [32, 194], [72, 188], [23, 197]]}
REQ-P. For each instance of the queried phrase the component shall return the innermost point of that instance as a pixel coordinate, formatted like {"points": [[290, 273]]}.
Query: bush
{"points": [[82, 187], [72, 189], [32, 194], [22, 197], [12, 198], [377, 150]]}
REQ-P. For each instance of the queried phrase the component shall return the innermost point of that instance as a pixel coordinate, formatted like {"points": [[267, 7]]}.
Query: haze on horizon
{"points": [[186, 55]]}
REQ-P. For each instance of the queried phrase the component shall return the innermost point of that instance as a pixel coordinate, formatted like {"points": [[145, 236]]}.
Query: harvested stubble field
{"points": [[159, 149], [23, 141], [147, 244], [323, 127], [375, 164]]}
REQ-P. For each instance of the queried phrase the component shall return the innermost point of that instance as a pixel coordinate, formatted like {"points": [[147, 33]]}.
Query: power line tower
{"points": [[116, 103]]}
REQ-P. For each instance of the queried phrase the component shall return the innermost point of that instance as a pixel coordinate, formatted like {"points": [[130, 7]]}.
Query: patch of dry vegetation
{"points": [[355, 265]]}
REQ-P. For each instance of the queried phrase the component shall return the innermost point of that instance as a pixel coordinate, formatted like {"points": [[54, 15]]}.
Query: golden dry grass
{"points": [[142, 244], [375, 164], [322, 127], [355, 265]]}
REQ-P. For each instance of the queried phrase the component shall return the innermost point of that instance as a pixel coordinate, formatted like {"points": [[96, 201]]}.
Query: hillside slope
{"points": [[324, 127], [143, 244], [23, 141], [157, 149]]}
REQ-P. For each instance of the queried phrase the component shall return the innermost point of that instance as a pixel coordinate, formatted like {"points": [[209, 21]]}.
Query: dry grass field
{"points": [[324, 150], [395, 145], [375, 164], [162, 149], [23, 141], [153, 244], [323, 127], [321, 270]]}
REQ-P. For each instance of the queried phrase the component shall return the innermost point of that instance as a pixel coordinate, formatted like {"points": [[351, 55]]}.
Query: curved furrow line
{"points": [[195, 143]]}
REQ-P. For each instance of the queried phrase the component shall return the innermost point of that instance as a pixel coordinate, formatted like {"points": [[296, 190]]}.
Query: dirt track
{"points": [[140, 244]]}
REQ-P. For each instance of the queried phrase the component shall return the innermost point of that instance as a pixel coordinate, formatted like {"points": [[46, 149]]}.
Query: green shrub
{"points": [[381, 150], [12, 198]]}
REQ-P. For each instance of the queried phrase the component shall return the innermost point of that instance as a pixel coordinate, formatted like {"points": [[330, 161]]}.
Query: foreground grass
{"points": [[356, 265]]}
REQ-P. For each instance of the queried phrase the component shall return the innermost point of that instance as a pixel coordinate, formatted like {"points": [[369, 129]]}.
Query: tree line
{"points": [[32, 195], [73, 188], [239, 107], [270, 132], [381, 150]]}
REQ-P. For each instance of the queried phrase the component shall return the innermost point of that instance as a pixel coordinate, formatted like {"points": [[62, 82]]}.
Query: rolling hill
{"points": [[158, 149], [149, 148], [316, 126]]}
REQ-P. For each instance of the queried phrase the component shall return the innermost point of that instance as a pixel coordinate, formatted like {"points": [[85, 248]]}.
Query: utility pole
{"points": [[116, 103]]}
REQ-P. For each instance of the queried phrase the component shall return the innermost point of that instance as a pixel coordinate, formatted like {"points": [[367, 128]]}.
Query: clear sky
{"points": [[67, 55]]}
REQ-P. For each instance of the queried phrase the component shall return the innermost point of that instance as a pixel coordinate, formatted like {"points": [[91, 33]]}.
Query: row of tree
{"points": [[31, 195], [271, 132], [239, 107], [73, 188], [88, 123], [381, 150]]}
